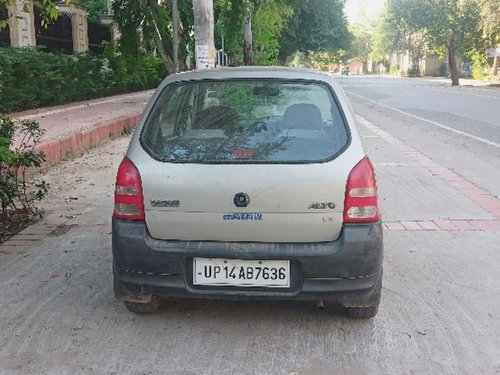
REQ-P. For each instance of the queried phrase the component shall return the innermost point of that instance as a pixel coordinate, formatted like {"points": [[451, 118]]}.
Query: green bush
{"points": [[480, 66], [413, 71], [18, 193], [394, 70], [31, 78], [442, 70], [141, 72]]}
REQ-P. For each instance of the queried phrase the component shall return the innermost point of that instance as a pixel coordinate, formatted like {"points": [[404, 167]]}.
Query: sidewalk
{"points": [[464, 82], [77, 126]]}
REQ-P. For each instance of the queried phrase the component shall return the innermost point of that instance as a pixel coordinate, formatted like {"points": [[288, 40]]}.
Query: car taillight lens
{"points": [[129, 202], [361, 204]]}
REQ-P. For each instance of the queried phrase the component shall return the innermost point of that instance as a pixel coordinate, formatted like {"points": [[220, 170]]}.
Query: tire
{"points": [[143, 308], [370, 310], [365, 312]]}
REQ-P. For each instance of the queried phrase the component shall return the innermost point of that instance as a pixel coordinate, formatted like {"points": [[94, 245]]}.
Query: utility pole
{"points": [[204, 49], [175, 36]]}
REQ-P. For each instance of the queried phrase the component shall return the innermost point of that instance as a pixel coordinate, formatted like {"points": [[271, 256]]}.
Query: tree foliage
{"points": [[269, 19], [490, 21], [95, 9], [316, 25], [19, 193], [47, 9], [146, 27], [361, 45], [448, 28]]}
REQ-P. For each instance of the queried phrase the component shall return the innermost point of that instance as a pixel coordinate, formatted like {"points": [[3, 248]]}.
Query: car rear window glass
{"points": [[234, 121]]}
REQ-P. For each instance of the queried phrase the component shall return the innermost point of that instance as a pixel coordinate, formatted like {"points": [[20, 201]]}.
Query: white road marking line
{"points": [[397, 164], [77, 106], [435, 88], [439, 125]]}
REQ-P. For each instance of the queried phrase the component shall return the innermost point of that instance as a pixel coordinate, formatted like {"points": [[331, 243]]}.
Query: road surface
{"points": [[440, 311]]}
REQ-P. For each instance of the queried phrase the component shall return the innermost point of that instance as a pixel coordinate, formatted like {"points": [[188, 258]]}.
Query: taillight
{"points": [[361, 204], [129, 202]]}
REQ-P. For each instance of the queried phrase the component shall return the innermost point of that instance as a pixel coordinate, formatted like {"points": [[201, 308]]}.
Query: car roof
{"points": [[251, 72]]}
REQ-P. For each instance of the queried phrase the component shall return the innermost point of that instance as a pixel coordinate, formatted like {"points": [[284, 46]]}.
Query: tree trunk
{"points": [[496, 66], [247, 33], [453, 65], [175, 35], [203, 11], [163, 46]]}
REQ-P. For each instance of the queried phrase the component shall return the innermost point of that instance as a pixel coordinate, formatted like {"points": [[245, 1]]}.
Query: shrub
{"points": [[413, 71], [18, 193], [134, 73], [394, 70], [31, 78], [480, 66], [442, 70]]}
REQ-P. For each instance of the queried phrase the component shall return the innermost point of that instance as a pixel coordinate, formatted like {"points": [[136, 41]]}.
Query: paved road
{"points": [[440, 311], [470, 110]]}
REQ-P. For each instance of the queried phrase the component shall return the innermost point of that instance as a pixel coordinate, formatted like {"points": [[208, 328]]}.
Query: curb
{"points": [[56, 150]]}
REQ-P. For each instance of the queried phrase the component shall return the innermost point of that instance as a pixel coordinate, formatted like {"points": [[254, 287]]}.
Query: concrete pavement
{"points": [[77, 126]]}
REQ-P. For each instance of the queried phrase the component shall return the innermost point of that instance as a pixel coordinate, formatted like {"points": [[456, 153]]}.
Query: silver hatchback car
{"points": [[248, 183]]}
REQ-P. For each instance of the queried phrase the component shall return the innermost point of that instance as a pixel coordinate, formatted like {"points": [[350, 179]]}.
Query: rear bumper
{"points": [[347, 270]]}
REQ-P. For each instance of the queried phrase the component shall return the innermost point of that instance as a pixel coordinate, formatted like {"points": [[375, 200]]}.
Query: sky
{"points": [[357, 10]]}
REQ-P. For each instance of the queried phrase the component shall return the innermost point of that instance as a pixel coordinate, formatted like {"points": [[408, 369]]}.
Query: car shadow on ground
{"points": [[300, 309]]}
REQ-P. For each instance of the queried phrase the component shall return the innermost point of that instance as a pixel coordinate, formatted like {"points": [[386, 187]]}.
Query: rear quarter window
{"points": [[251, 121]]}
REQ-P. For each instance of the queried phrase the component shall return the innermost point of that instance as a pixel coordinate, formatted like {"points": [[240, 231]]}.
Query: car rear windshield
{"points": [[245, 121]]}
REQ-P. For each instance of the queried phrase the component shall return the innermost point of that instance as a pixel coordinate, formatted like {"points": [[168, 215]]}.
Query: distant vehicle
{"points": [[248, 183]]}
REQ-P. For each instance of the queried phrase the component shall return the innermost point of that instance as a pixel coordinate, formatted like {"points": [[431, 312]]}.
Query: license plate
{"points": [[243, 273]]}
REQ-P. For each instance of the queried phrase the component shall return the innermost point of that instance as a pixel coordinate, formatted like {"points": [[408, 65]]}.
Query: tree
{"points": [[385, 39], [268, 19], [451, 28], [361, 45], [247, 34], [95, 9], [446, 27], [490, 24], [316, 25], [146, 26], [47, 9]]}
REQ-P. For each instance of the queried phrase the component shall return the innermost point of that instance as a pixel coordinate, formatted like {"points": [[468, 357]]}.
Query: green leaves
{"points": [[63, 78], [443, 27], [269, 20], [316, 25], [17, 153]]}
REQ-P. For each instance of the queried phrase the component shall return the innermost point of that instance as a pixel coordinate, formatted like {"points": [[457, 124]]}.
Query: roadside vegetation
{"points": [[32, 78], [457, 31], [18, 192]]}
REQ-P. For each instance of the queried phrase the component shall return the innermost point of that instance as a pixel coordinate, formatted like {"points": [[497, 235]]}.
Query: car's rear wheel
{"points": [[365, 312], [144, 308], [370, 309]]}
